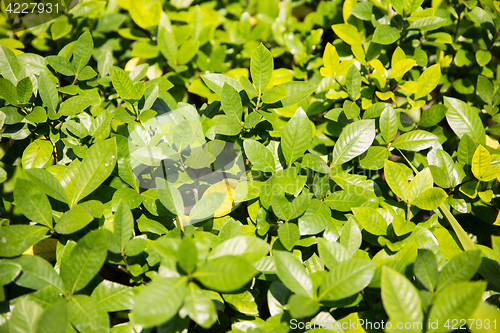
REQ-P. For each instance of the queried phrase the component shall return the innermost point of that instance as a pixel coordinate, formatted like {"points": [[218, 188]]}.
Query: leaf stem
{"points": [[341, 86], [458, 23], [466, 242]]}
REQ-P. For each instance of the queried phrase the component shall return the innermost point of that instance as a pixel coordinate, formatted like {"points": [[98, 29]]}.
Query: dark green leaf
{"points": [[80, 266]]}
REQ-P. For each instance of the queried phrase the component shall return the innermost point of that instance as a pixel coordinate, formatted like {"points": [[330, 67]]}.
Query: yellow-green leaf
{"points": [[401, 68], [348, 33], [481, 165], [428, 81]]}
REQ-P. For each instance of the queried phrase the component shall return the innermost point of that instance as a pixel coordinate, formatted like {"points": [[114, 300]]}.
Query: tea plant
{"points": [[214, 166]]}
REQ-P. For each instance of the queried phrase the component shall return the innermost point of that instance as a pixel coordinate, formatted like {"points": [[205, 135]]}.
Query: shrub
{"points": [[267, 167]]}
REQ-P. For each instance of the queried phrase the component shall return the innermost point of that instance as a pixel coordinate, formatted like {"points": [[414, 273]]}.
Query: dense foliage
{"points": [[253, 166]]}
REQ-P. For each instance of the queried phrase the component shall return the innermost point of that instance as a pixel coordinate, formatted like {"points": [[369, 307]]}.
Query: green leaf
{"points": [[484, 312], [187, 51], [100, 123], [374, 158], [446, 168], [37, 273], [187, 255], [315, 219], [207, 206], [54, 318], [24, 90], [48, 93], [400, 298], [466, 242], [363, 10], [429, 23], [82, 51], [33, 202], [123, 225], [316, 163], [348, 33], [456, 302], [261, 158], [274, 94], [249, 88], [464, 120], [289, 235], [354, 140], [460, 268], [344, 201], [225, 273], [481, 165], [85, 260], [74, 105], [16, 239], [353, 82], [112, 296], [167, 44], [8, 92], [216, 81], [426, 270], [170, 196], [401, 68], [73, 220], [37, 115], [484, 89], [385, 35], [288, 211], [96, 167], [292, 273], [483, 57], [69, 178], [415, 141], [145, 14], [466, 149], [301, 306], [261, 68], [428, 81], [105, 62], [297, 91], [332, 252], [419, 184], [250, 248], [297, 136], [371, 220], [227, 126], [10, 67], [24, 316], [198, 306], [388, 124], [8, 272], [395, 177], [61, 65], [231, 103], [431, 198], [347, 278], [350, 237], [243, 302], [125, 88], [86, 315]]}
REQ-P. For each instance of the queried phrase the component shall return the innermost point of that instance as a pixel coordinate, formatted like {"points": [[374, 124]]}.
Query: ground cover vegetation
{"points": [[251, 166]]}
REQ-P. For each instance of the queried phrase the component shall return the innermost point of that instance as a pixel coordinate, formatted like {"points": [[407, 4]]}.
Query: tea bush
{"points": [[260, 166]]}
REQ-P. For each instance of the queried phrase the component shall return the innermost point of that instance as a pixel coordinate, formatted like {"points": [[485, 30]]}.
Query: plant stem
{"points": [[458, 23]]}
